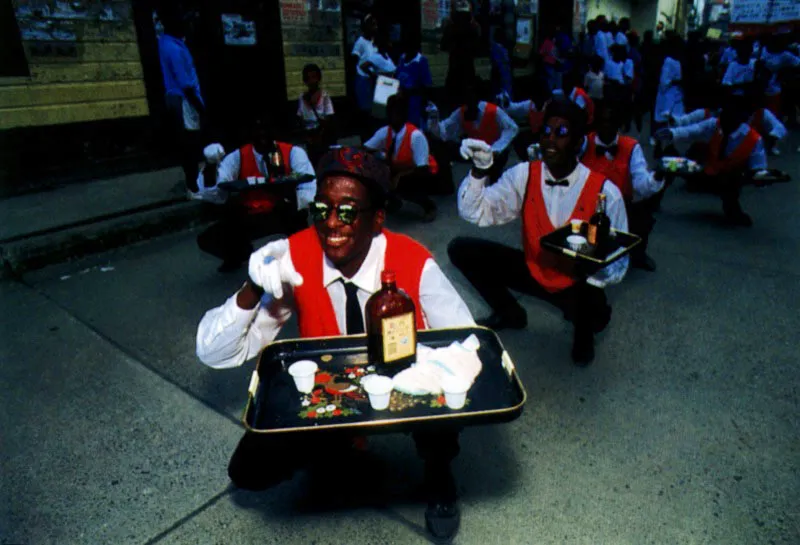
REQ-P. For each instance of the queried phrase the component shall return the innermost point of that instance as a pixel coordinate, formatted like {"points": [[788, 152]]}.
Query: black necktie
{"points": [[390, 150], [354, 319], [602, 150], [553, 183]]}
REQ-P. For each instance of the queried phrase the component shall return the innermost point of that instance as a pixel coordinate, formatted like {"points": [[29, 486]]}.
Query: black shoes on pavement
{"points": [[644, 262], [497, 321], [442, 520]]}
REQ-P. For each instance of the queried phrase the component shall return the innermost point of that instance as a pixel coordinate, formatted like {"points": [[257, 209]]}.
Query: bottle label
{"points": [[399, 337], [591, 234]]}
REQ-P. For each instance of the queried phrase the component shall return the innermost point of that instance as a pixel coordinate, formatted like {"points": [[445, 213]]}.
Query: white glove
{"points": [[214, 153], [479, 152], [270, 268]]}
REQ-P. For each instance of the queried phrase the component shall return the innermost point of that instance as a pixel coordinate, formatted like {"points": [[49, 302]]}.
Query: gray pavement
{"points": [[684, 430]]}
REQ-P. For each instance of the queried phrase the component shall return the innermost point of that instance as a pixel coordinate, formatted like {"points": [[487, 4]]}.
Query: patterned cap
{"points": [[355, 163]]}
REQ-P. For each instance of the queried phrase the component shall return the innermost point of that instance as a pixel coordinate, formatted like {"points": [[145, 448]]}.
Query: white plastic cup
{"points": [[576, 242], [455, 391], [303, 373], [379, 390]]}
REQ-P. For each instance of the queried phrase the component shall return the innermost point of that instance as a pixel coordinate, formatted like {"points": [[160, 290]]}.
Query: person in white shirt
{"points": [[259, 211], [481, 120], [405, 150], [734, 151], [315, 111], [740, 73], [363, 49], [326, 274], [546, 195]]}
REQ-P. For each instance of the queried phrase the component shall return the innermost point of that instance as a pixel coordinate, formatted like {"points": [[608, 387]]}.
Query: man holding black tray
{"points": [[258, 211], [547, 195], [621, 159], [326, 274]]}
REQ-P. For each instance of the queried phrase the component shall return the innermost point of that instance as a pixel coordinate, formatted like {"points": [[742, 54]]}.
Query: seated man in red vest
{"points": [[482, 121], [734, 150], [326, 274], [406, 152], [621, 159], [259, 212], [529, 114], [546, 195]]}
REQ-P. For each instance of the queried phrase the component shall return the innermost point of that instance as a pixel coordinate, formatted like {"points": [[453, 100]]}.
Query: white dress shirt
{"points": [[704, 131], [228, 335], [695, 116], [452, 129], [670, 95], [502, 202], [621, 72], [643, 181], [737, 74], [419, 144], [306, 112], [381, 63], [363, 49], [772, 125], [228, 171]]}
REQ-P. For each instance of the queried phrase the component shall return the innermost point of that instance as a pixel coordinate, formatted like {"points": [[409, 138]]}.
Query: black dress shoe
{"points": [[583, 349], [497, 321], [442, 520], [601, 320], [644, 262]]}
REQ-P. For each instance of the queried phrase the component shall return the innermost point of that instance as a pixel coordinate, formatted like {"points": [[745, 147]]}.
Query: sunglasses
{"points": [[347, 213], [561, 130]]}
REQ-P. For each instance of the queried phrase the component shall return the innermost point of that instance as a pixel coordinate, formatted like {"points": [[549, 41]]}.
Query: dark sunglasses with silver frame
{"points": [[347, 213]]}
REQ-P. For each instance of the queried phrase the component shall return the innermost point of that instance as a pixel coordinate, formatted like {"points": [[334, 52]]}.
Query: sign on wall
{"points": [[760, 11]]}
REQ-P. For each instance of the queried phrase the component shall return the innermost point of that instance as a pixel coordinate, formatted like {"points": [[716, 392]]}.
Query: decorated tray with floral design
{"points": [[338, 401]]}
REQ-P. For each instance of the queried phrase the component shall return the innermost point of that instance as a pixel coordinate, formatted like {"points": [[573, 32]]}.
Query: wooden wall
{"points": [[95, 75], [312, 36]]}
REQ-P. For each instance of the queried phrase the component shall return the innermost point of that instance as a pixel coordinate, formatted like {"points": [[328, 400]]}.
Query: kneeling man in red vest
{"points": [[547, 195], [258, 212], [325, 274], [406, 152]]}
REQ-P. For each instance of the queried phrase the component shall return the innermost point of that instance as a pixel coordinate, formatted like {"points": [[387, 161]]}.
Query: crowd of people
{"points": [[573, 137]]}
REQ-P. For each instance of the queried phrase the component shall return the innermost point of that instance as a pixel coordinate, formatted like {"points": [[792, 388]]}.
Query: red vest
{"points": [[736, 160], [535, 118], [550, 270], [258, 201], [315, 314], [578, 92], [618, 170], [405, 156], [488, 130]]}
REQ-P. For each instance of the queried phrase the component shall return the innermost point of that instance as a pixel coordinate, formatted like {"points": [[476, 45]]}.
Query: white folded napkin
{"points": [[425, 376]]}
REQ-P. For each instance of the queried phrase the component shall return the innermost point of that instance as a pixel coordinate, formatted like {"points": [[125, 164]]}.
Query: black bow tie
{"points": [[602, 150], [553, 183]]}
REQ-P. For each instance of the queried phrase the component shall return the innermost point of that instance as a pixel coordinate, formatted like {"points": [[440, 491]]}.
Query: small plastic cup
{"points": [[303, 373], [576, 242], [379, 390], [576, 226], [455, 391]]}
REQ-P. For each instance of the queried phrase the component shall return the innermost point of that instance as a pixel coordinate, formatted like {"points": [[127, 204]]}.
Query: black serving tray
{"points": [[275, 406], [243, 185], [619, 245]]}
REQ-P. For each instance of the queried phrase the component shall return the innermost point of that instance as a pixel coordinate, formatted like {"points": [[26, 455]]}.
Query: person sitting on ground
{"points": [[257, 212], [734, 150], [621, 159], [326, 274], [315, 111], [405, 150], [480, 120], [529, 113], [546, 195]]}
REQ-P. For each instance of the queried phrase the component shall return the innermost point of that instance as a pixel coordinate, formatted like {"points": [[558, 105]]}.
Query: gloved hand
{"points": [[214, 153], [664, 135], [479, 152], [270, 272]]}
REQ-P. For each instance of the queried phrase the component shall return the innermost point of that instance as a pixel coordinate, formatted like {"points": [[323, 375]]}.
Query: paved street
{"points": [[684, 430]]}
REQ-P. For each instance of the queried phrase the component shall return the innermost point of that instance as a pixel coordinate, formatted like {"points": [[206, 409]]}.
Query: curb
{"points": [[99, 234]]}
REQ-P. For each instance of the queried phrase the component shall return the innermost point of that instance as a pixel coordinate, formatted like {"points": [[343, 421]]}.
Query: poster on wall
{"points": [[237, 30], [524, 40], [294, 12], [430, 14]]}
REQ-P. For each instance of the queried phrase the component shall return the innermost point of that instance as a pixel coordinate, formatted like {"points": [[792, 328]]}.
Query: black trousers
{"points": [[230, 238], [641, 221], [727, 186], [417, 188], [494, 269], [261, 461], [187, 146]]}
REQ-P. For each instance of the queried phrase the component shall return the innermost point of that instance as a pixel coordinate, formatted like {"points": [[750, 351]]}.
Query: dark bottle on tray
{"points": [[391, 326], [599, 227]]}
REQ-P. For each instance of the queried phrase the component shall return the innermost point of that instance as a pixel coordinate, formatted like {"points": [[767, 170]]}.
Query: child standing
{"points": [[315, 111], [593, 81]]}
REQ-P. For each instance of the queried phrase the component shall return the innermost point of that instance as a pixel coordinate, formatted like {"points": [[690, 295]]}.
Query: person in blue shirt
{"points": [[776, 59], [501, 80], [740, 74], [184, 102], [414, 74]]}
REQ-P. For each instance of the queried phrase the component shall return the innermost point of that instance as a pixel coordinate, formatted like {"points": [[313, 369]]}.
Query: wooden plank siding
{"points": [[101, 79]]}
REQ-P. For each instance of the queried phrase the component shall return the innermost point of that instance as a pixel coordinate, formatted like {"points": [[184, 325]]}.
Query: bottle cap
{"points": [[388, 277]]}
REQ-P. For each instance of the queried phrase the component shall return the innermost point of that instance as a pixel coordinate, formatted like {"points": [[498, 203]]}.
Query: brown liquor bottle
{"points": [[391, 326], [599, 227]]}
